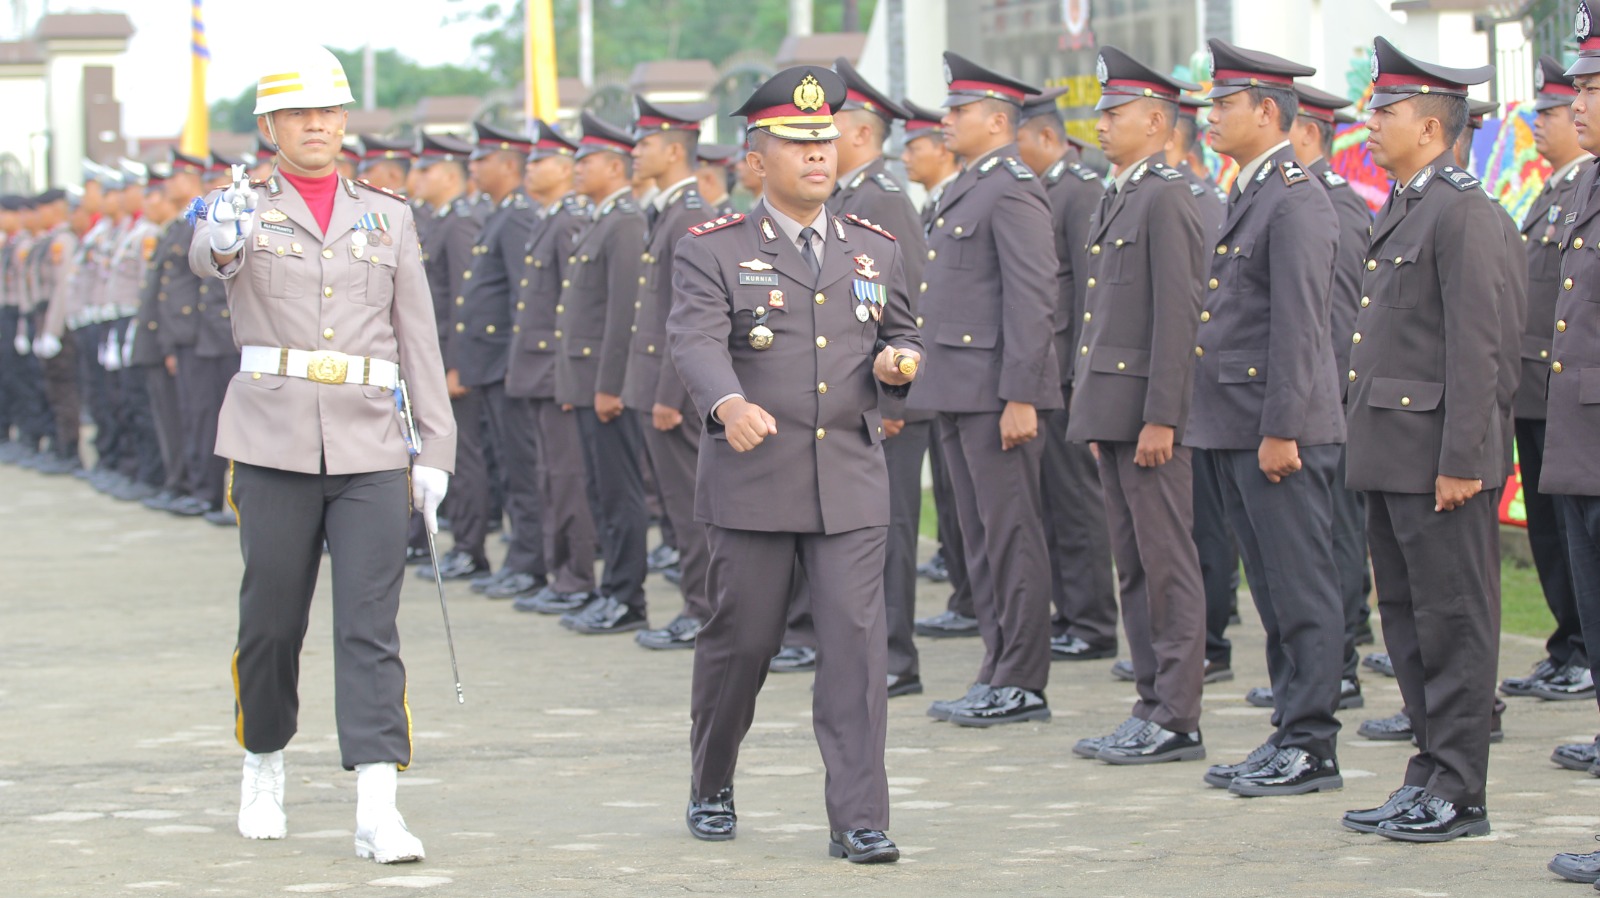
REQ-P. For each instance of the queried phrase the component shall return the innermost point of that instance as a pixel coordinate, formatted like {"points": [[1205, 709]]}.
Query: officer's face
{"points": [[799, 171], [651, 156], [310, 139], [1554, 134], [1395, 135], [1235, 124], [548, 176], [967, 128], [921, 157], [1586, 112], [1130, 132]]}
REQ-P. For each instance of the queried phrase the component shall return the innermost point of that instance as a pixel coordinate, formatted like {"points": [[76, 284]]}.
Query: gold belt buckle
{"points": [[326, 367]]}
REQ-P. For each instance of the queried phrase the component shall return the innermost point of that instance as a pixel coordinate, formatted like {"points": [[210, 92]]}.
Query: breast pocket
{"points": [[752, 307], [966, 250], [1122, 262], [1400, 280], [278, 268], [374, 279]]}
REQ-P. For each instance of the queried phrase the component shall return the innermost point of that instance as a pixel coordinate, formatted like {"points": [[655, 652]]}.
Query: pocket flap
{"points": [[1588, 386], [1405, 395], [1111, 360], [1241, 366], [1243, 249], [1400, 253], [873, 420], [539, 341], [977, 336], [1536, 348]]}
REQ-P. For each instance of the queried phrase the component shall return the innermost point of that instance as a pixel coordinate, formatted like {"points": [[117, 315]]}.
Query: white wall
{"points": [[64, 68], [22, 96]]}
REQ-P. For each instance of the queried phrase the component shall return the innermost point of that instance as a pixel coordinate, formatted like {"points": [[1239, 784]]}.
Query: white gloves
{"points": [[21, 343], [428, 487], [230, 228], [46, 346]]}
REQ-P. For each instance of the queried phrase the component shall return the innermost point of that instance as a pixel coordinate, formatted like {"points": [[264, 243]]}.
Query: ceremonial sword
{"points": [[414, 444]]}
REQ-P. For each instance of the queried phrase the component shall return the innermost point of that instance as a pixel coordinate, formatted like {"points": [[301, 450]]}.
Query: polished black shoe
{"points": [[222, 517], [863, 846], [1153, 744], [673, 574], [1400, 801], [1123, 670], [1005, 704], [548, 601], [976, 694], [134, 491], [481, 585], [1387, 729], [904, 685], [1576, 867], [680, 634], [1223, 775], [604, 615], [1570, 683], [1575, 756], [712, 819], [1521, 686], [190, 507], [1217, 672], [1071, 648], [948, 625], [1378, 662], [661, 558], [1259, 696], [1349, 695], [1292, 771], [934, 569], [416, 554], [1432, 819], [516, 584], [1089, 747], [58, 465], [161, 501], [793, 659], [455, 565]]}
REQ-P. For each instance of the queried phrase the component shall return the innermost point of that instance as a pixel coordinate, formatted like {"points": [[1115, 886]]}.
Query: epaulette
{"points": [[1333, 178], [520, 201], [1460, 179], [1293, 174], [715, 224], [1167, 172], [989, 165], [626, 204], [1084, 172], [1572, 175], [886, 182], [383, 190], [260, 183], [1018, 170], [857, 220], [575, 203], [1198, 189], [1054, 172], [692, 200], [463, 206]]}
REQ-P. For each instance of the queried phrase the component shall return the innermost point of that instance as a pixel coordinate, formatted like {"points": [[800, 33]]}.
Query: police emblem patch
{"points": [[1538, 78], [1100, 71], [1211, 63], [1374, 64], [1582, 24], [809, 95]]}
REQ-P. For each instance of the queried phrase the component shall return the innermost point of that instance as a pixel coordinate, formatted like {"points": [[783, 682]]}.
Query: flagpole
{"points": [[196, 140], [539, 62]]}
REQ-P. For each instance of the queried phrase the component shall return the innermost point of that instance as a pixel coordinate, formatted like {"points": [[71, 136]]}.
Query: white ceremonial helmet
{"points": [[307, 78]]}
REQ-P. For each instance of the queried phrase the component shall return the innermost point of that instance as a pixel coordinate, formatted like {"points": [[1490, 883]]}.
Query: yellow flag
{"points": [[197, 128], [539, 62]]}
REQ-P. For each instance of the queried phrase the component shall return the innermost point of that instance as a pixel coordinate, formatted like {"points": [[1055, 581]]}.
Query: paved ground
{"points": [[566, 771]]}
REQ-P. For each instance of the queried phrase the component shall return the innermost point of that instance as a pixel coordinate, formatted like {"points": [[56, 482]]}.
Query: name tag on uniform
{"points": [[757, 279], [277, 228]]}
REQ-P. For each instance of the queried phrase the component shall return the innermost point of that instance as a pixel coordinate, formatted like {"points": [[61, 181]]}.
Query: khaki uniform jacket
{"points": [[178, 291], [599, 293], [1136, 349], [531, 371], [481, 345], [1424, 374], [1263, 358], [1571, 465], [824, 470], [652, 378], [54, 268], [989, 312], [447, 256], [294, 287], [1541, 233], [129, 265], [1074, 191]]}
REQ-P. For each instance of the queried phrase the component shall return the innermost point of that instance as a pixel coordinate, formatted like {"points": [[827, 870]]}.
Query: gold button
{"points": [[327, 292], [1083, 350], [821, 432], [328, 254], [1119, 244], [939, 223], [1214, 283], [516, 328], [1561, 326], [280, 250], [461, 300], [1088, 316], [466, 275], [1405, 401], [1556, 367], [1094, 250], [958, 230], [1091, 282], [538, 263], [586, 350], [638, 304], [1566, 284], [1352, 376], [297, 247], [1205, 316], [1577, 243], [1251, 372], [521, 306], [255, 375], [1199, 351], [822, 342], [1544, 353], [650, 348], [1366, 301], [1122, 366], [634, 329], [1355, 338], [643, 280], [822, 387], [645, 257], [488, 328], [572, 260], [327, 333], [1399, 259], [919, 321], [565, 282], [524, 282], [557, 335], [560, 308], [966, 338], [821, 299], [923, 288], [527, 260], [543, 345], [460, 328], [932, 254], [1222, 250], [1543, 241], [1372, 264], [187, 310], [583, 258]]}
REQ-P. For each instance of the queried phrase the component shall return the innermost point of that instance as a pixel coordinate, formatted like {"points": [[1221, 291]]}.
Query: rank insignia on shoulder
{"points": [[1084, 172], [1572, 175], [1018, 170], [1333, 178], [717, 224], [692, 201], [1293, 174], [856, 181], [838, 228], [1461, 180], [1054, 172], [887, 183], [989, 165], [857, 220], [1167, 172], [1197, 189], [1138, 173], [768, 234]]}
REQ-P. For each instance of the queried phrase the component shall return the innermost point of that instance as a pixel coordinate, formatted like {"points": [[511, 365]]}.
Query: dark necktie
{"points": [[808, 254], [1105, 202]]}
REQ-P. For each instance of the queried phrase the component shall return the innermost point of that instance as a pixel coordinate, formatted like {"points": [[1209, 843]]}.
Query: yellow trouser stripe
{"points": [[238, 706], [410, 747], [228, 494]]}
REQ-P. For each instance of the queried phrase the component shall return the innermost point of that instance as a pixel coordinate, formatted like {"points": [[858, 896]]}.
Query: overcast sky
{"points": [[244, 34]]}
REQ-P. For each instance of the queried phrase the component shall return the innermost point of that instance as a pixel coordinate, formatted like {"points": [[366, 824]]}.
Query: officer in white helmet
{"points": [[333, 319]]}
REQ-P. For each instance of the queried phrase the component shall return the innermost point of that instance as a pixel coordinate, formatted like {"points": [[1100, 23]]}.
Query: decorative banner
{"points": [[1075, 15]]}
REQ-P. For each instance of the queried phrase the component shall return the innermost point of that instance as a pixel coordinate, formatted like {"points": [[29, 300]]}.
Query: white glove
{"points": [[21, 343], [229, 227], [428, 486], [46, 346]]}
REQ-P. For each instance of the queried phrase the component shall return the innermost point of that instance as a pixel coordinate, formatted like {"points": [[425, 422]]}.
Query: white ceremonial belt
{"points": [[323, 366]]}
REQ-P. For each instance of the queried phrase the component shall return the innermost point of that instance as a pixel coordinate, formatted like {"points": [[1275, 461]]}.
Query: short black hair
{"points": [[1288, 103], [689, 140], [1008, 109], [1050, 122], [1188, 132], [1450, 111]]}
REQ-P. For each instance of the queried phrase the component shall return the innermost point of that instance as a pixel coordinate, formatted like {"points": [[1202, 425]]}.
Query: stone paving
{"points": [[566, 771]]}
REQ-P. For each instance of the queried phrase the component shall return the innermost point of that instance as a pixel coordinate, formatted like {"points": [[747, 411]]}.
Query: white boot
{"points": [[261, 797], [381, 832]]}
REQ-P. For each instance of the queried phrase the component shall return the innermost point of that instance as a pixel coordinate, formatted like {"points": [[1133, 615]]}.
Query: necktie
{"points": [[808, 254], [1105, 203]]}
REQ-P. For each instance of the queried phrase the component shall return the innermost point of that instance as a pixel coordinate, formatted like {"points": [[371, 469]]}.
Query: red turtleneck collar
{"points": [[318, 194]]}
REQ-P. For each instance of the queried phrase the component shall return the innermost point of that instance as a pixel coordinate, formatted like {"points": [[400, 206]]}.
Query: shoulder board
{"points": [[1167, 172], [1084, 172], [1054, 172], [383, 190], [862, 222], [626, 204], [1573, 175], [1460, 180], [1197, 188], [575, 203], [462, 206], [260, 183], [691, 200], [1333, 178], [715, 224], [1293, 174], [989, 165], [520, 201], [887, 183], [1018, 170]]}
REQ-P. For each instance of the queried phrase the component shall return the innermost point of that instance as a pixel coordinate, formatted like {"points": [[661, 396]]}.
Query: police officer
{"points": [[792, 472], [1130, 398], [714, 175], [1425, 442], [145, 359], [989, 310], [214, 364], [25, 381], [138, 468], [332, 314], [177, 291], [62, 224], [385, 164]]}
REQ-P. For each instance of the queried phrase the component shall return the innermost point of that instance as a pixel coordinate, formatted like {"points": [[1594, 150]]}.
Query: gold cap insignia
{"points": [[809, 95]]}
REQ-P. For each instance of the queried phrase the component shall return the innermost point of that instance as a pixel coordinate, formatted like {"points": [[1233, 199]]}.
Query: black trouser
{"points": [[903, 454], [283, 519], [162, 388], [1547, 539], [1350, 562], [514, 431], [613, 454], [1219, 558], [950, 544], [466, 503], [95, 389], [22, 383], [61, 389], [1075, 531], [143, 460]]}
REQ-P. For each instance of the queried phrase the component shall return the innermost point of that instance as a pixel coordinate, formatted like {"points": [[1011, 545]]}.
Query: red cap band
{"points": [[986, 87]]}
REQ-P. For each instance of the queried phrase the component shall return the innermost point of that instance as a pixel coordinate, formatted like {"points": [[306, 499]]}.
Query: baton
{"points": [[904, 362], [241, 182], [414, 445]]}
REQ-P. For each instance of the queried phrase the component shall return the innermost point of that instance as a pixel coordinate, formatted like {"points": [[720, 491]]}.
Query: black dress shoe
{"points": [[712, 819], [1089, 747], [1217, 672], [1349, 695], [416, 555], [793, 659], [1400, 801], [1123, 670], [904, 685], [548, 601], [976, 694], [604, 615], [1520, 686], [222, 517], [673, 574], [1570, 683], [1576, 867], [1292, 771], [1387, 729], [863, 846], [455, 565], [135, 492], [515, 584], [1259, 696], [1364, 634], [160, 501], [1154, 744], [189, 507], [1575, 756], [934, 569], [661, 558], [1071, 648], [1005, 704], [481, 585], [680, 634], [948, 625], [1223, 775], [1432, 819], [1378, 662]]}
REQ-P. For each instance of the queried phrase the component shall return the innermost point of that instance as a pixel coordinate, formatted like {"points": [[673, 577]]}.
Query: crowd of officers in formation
{"points": [[1137, 375]]}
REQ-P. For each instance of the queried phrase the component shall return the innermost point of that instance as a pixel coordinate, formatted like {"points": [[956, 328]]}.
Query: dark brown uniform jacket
{"points": [[1074, 190], [598, 290], [1355, 222], [652, 378], [482, 342], [177, 291], [1541, 232], [531, 370], [1571, 464], [447, 242]]}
